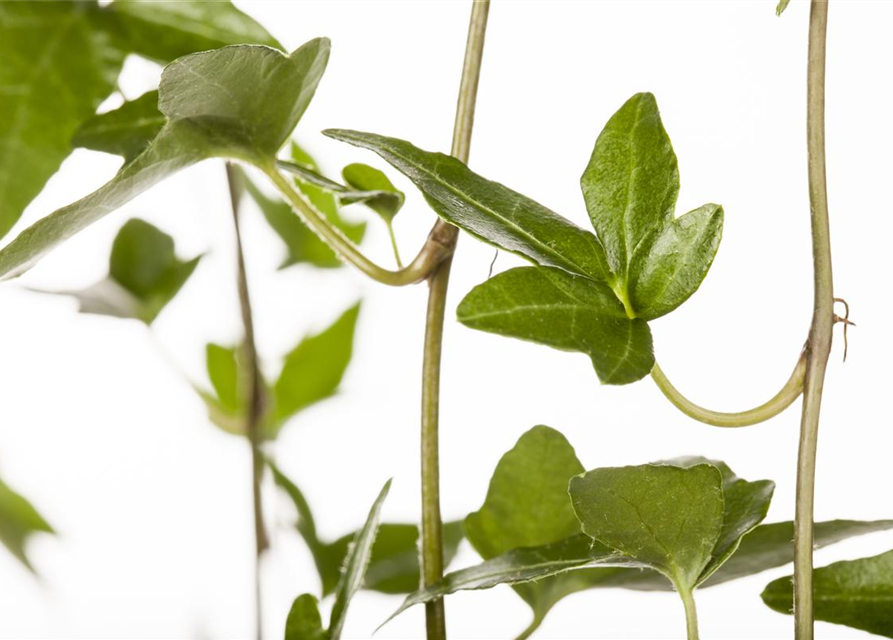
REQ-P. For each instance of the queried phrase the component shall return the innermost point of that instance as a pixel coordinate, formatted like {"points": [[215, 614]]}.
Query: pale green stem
{"points": [[769, 409], [432, 525], [254, 418], [818, 347], [691, 614], [394, 244], [531, 628], [436, 248]]}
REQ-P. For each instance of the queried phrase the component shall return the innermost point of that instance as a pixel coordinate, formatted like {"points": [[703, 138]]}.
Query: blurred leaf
{"points": [[354, 570], [125, 131], [374, 189], [238, 102], [57, 68], [555, 308], [855, 593], [223, 372], [163, 31], [304, 621], [782, 5], [19, 521], [313, 370]]}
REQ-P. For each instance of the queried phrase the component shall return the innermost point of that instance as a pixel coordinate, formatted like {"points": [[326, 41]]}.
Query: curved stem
{"points": [[438, 280], [769, 409], [254, 418], [531, 628], [818, 348], [691, 615], [437, 247]]}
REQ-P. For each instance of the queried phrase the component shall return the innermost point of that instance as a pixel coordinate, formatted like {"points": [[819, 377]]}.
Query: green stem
{"points": [[769, 409], [531, 628], [436, 248], [691, 614], [438, 280], [254, 418], [394, 244], [818, 347]]}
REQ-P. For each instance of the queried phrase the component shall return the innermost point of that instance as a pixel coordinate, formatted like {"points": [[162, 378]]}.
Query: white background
{"points": [[152, 503]]}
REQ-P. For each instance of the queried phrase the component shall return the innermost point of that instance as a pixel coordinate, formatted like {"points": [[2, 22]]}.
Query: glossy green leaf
{"points": [[394, 566], [163, 31], [855, 593], [530, 479], [782, 5], [677, 262], [19, 521], [355, 565], [304, 621], [383, 197], [552, 307], [238, 102], [313, 370], [125, 131], [57, 68], [488, 210], [665, 517]]}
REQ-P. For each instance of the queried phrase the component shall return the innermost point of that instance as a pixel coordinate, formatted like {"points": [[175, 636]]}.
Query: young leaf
{"points": [[125, 131], [855, 593], [19, 521], [163, 31], [304, 621], [313, 370], [552, 307], [238, 102], [383, 197], [665, 517], [53, 56], [530, 479], [782, 5], [488, 210], [355, 566]]}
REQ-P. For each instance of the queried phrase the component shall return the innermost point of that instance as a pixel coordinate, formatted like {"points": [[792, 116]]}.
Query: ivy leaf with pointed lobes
{"points": [[239, 102], [630, 187], [552, 307], [855, 593], [145, 274], [53, 57], [488, 210], [125, 131], [163, 31], [394, 566], [313, 370], [19, 521]]}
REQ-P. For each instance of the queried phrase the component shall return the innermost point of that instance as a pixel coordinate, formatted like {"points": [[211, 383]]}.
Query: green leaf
{"points": [[163, 31], [530, 479], [376, 191], [313, 370], [304, 621], [552, 307], [488, 210], [57, 69], [782, 5], [665, 517], [238, 102], [223, 371], [855, 593], [125, 131], [677, 262], [355, 565], [19, 521]]}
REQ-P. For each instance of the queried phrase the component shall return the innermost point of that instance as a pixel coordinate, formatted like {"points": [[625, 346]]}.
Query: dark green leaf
{"points": [[676, 263], [855, 593], [488, 210], [355, 566], [665, 517], [552, 307], [313, 370], [125, 131], [631, 182], [57, 68], [304, 621], [163, 31], [238, 102], [374, 189], [19, 521]]}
